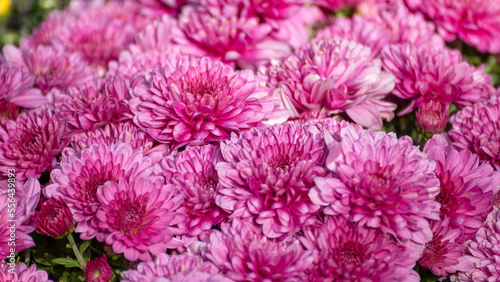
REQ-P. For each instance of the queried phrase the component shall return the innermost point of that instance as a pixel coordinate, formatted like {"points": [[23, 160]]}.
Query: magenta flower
{"points": [[337, 74], [358, 29], [349, 252], [483, 251], [81, 174], [243, 253], [8, 111], [22, 273], [380, 182], [433, 116], [476, 22], [91, 106], [437, 74], [139, 218], [229, 33], [23, 197], [196, 101], [476, 129], [174, 268], [467, 188], [98, 270], [267, 175], [53, 68], [335, 4], [126, 132], [443, 254], [16, 87], [31, 144], [192, 171], [54, 219]]}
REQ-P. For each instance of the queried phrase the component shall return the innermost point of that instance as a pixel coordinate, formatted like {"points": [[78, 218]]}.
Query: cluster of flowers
{"points": [[237, 140]]}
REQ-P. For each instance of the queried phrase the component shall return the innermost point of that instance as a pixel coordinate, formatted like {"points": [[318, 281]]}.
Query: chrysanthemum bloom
{"points": [[98, 270], [139, 217], [82, 173], [405, 27], [170, 267], [267, 175], [359, 29], [93, 105], [432, 116], [193, 172], [443, 254], [338, 74], [476, 22], [16, 87], [243, 253], [438, 74], [100, 33], [23, 197], [47, 33], [467, 188], [31, 144], [348, 252], [195, 101], [54, 219], [483, 251], [22, 273], [126, 132], [230, 34], [8, 111], [52, 68], [380, 181], [477, 129]]}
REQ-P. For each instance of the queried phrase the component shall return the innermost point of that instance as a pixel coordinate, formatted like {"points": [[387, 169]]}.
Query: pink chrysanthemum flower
{"points": [[16, 87], [477, 129], [348, 252], [243, 253], [438, 74], [443, 254], [30, 144], [22, 273], [15, 227], [98, 270], [432, 117], [405, 27], [139, 218], [230, 33], [467, 188], [126, 132], [483, 251], [169, 6], [82, 173], [267, 175], [337, 74], [192, 171], [100, 32], [53, 68], [93, 105], [196, 101], [172, 268], [380, 181], [359, 29], [476, 22]]}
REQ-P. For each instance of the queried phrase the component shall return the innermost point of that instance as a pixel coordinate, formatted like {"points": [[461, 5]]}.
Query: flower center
{"points": [[201, 87], [131, 217], [281, 162], [350, 253]]}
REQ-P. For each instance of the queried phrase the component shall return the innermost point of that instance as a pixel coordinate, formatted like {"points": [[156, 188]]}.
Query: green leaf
{"points": [[68, 262], [86, 255], [84, 246]]}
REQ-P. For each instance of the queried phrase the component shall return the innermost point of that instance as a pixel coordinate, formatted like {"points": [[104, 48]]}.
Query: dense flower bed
{"points": [[253, 140]]}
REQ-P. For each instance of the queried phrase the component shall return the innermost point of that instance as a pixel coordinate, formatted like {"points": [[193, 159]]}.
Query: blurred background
{"points": [[19, 17]]}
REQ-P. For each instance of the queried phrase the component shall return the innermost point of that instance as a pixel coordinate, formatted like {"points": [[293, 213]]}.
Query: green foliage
{"points": [[24, 16]]}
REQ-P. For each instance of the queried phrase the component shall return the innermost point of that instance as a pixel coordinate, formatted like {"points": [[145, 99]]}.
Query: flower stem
{"points": [[76, 251]]}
